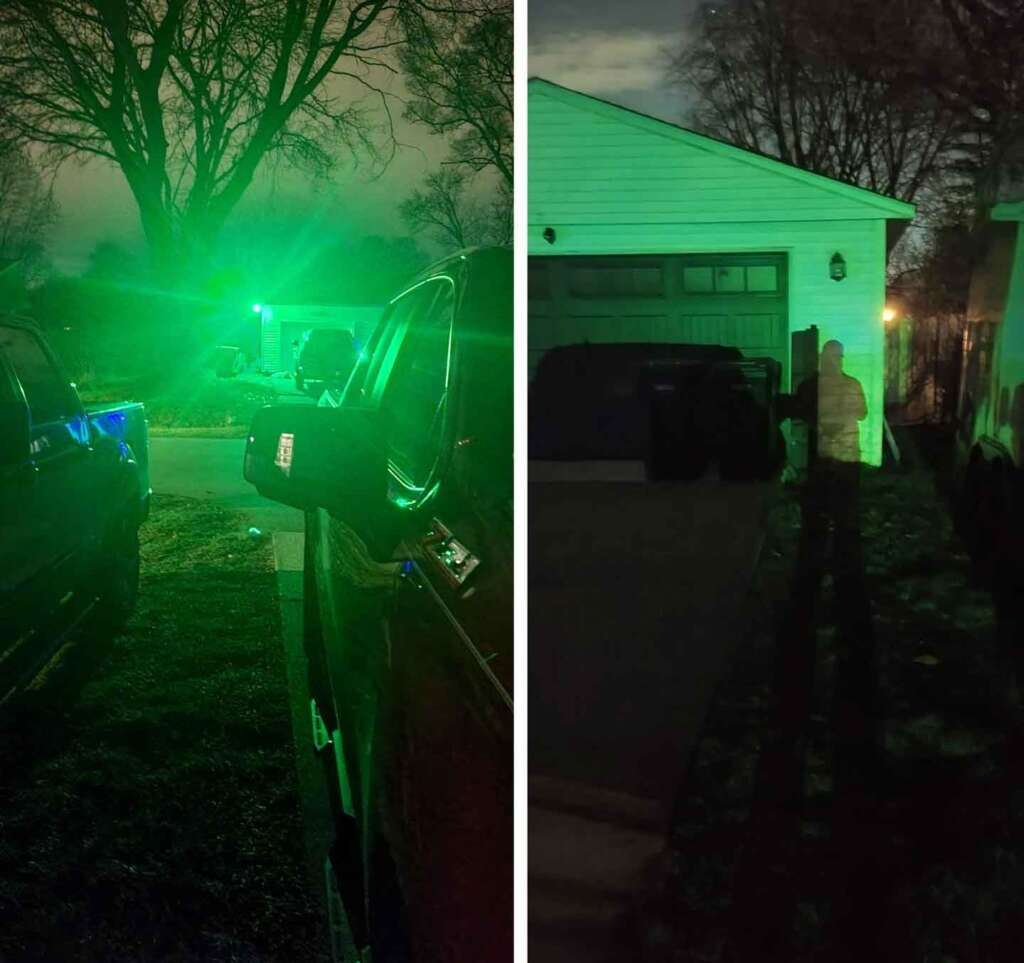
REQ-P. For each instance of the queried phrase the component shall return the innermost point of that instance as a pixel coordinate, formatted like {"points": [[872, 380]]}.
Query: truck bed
{"points": [[126, 421]]}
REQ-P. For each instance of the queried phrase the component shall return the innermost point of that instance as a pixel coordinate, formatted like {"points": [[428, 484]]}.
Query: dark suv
{"points": [[407, 485], [326, 358]]}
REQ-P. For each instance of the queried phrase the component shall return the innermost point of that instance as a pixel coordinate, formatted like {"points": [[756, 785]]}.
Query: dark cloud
{"points": [[616, 51], [549, 17]]}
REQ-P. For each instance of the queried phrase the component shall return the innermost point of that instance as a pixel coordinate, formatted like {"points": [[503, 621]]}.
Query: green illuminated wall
{"points": [[1004, 418], [609, 181]]}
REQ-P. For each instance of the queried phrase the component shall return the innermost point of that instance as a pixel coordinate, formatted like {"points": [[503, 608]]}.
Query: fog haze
{"points": [[96, 204]]}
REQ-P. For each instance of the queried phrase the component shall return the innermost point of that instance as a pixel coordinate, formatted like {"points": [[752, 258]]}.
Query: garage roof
{"points": [[879, 203]]}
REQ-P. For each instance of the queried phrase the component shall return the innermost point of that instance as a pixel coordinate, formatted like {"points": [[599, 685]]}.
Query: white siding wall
{"points": [[1010, 378], [275, 353], [607, 187], [588, 167]]}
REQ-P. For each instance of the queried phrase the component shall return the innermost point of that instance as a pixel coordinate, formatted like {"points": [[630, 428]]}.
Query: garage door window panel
{"points": [[762, 278], [730, 279], [698, 280], [616, 278]]}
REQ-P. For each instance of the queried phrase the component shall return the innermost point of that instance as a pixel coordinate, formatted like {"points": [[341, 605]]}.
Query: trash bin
{"points": [[226, 361]]}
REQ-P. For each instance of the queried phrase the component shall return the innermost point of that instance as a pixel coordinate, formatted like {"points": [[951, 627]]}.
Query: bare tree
{"points": [[821, 84], [188, 97], [27, 208], [976, 67], [458, 64], [446, 207]]}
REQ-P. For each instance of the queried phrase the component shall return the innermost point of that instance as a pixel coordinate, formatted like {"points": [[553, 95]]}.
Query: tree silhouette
{"points": [[455, 218], [825, 85], [27, 209], [458, 64], [188, 97]]}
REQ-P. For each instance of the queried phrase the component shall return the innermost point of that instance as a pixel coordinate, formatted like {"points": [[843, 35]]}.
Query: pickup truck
{"points": [[649, 472], [74, 489], [405, 477]]}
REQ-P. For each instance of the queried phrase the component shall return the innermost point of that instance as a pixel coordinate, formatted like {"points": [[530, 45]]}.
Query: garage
{"points": [[283, 326], [643, 231], [734, 299]]}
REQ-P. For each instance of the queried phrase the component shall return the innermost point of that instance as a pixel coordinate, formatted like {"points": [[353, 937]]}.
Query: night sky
{"points": [[611, 49], [96, 205]]}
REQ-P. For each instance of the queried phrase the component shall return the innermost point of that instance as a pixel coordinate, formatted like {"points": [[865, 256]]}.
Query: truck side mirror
{"points": [[14, 433], [306, 457]]}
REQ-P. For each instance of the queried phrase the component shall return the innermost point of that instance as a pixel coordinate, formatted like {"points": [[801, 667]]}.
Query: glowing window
{"points": [[285, 445]]}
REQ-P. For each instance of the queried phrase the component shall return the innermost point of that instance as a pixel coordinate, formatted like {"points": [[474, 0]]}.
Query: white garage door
{"points": [[730, 299]]}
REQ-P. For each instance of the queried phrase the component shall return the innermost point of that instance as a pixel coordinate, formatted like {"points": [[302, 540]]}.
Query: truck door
{"points": [[447, 719], [20, 554], [57, 500]]}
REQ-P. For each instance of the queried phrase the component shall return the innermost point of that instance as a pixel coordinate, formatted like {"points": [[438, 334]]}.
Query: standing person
{"points": [[832, 403]]}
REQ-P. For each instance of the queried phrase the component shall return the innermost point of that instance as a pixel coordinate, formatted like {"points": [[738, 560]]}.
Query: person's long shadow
{"points": [[767, 883]]}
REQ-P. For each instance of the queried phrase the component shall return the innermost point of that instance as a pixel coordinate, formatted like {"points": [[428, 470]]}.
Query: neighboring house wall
{"points": [[279, 323], [1006, 414], [992, 390], [609, 181]]}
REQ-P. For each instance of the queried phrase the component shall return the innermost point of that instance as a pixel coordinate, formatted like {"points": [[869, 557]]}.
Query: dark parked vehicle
{"points": [[406, 480], [326, 358], [668, 410], [74, 488]]}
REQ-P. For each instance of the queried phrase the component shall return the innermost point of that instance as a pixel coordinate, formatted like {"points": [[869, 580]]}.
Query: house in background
{"points": [[922, 360], [642, 231], [282, 327], [991, 409]]}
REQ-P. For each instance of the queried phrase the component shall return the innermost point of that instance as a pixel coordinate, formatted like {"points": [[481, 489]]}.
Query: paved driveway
{"points": [[637, 598], [211, 469]]}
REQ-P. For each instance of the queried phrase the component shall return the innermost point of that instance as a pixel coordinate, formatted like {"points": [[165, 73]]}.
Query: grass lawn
{"points": [[201, 405], [944, 836], [148, 797]]}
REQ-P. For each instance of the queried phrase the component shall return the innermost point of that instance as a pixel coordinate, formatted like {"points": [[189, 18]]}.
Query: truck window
{"points": [[414, 398], [45, 390], [8, 390]]}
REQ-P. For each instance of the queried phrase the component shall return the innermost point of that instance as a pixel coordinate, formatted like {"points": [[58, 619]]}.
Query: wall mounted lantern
{"points": [[837, 267], [549, 235]]}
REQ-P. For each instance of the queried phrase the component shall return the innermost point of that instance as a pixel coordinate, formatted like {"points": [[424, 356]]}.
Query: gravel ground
{"points": [[937, 843]]}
